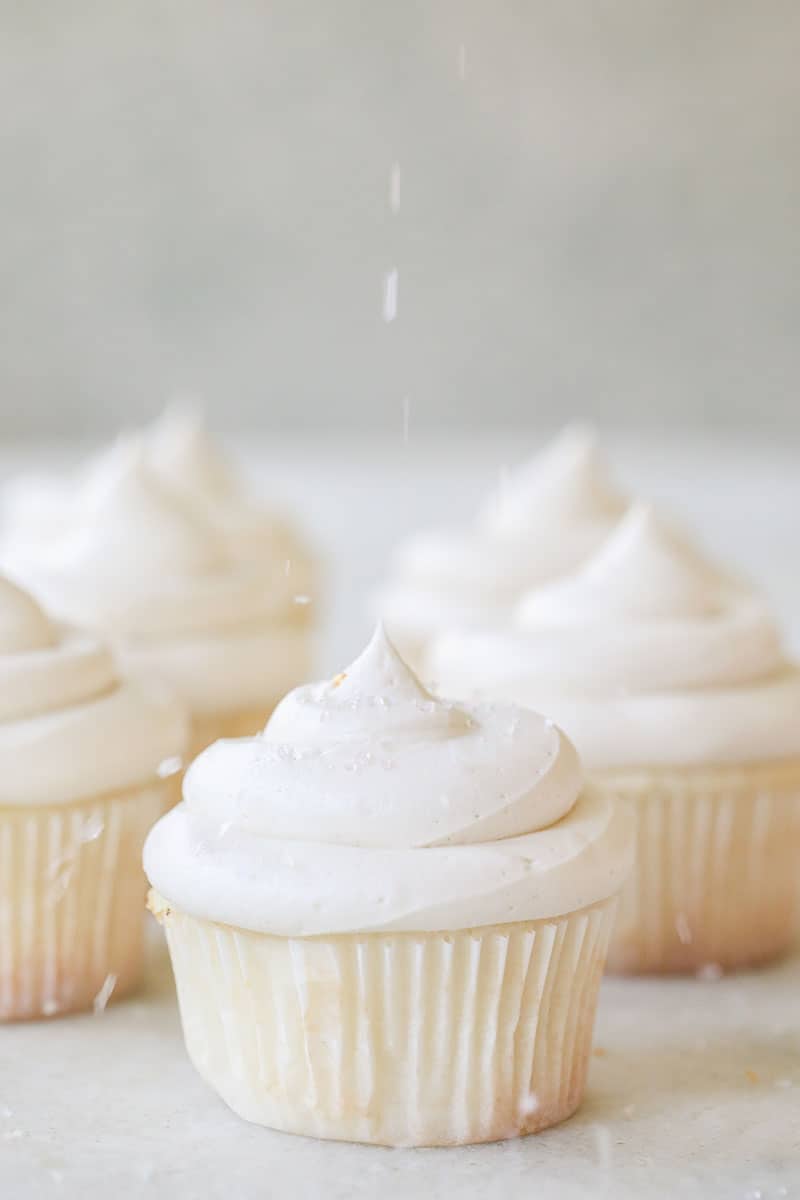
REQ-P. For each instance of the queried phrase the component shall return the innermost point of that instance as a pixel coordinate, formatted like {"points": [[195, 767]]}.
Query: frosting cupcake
{"points": [[547, 517], [39, 509], [87, 761], [144, 566], [388, 914], [669, 676]]}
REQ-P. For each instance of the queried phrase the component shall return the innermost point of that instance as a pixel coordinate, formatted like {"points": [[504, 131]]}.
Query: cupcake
{"points": [[39, 509], [87, 764], [145, 567], [669, 675], [388, 914], [547, 516]]}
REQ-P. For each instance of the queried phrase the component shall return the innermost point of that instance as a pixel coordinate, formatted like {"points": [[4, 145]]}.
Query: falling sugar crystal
{"points": [[602, 1140], [92, 828], [394, 188], [287, 566], [170, 766], [682, 929], [104, 995], [462, 62], [390, 287], [301, 599]]}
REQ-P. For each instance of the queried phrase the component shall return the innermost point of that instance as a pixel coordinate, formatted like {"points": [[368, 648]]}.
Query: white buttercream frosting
{"points": [[70, 726], [647, 655], [545, 517], [145, 566], [179, 452], [370, 804]]}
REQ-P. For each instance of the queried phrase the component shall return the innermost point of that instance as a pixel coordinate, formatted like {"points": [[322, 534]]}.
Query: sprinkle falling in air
{"points": [[394, 189], [683, 929], [104, 995], [92, 828], [170, 766], [602, 1140], [390, 286]]}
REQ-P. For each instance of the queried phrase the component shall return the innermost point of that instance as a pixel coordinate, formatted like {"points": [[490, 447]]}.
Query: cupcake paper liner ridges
{"points": [[715, 880], [396, 1039], [71, 896]]}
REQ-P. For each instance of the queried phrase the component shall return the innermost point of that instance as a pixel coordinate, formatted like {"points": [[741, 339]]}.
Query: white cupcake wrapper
{"points": [[716, 875], [71, 897], [399, 1039]]}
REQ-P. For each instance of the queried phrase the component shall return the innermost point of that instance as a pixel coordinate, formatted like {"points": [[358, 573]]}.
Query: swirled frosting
{"points": [[648, 655], [369, 804], [145, 567], [178, 451], [544, 519], [181, 451], [70, 727]]}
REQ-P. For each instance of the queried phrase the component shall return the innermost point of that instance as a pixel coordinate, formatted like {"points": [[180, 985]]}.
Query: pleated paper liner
{"points": [[71, 896], [714, 886], [397, 1039]]}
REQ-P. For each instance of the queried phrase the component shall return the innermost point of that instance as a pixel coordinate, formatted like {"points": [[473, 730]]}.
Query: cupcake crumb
{"points": [[600, 1052], [752, 1076]]}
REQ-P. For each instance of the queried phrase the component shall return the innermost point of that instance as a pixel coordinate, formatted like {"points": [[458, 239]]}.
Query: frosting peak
{"points": [[378, 696], [368, 803], [543, 521], [133, 518], [181, 447], [644, 571], [564, 482]]}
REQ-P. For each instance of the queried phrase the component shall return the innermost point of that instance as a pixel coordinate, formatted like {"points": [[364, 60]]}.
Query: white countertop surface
{"points": [[697, 1091], [696, 1094]]}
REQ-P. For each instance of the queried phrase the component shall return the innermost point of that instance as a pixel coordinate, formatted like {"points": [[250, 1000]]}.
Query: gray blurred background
{"points": [[594, 210]]}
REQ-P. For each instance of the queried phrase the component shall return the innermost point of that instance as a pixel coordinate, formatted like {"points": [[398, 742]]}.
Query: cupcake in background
{"points": [[181, 451], [547, 516], [40, 508], [89, 761], [669, 676], [143, 564], [388, 914]]}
